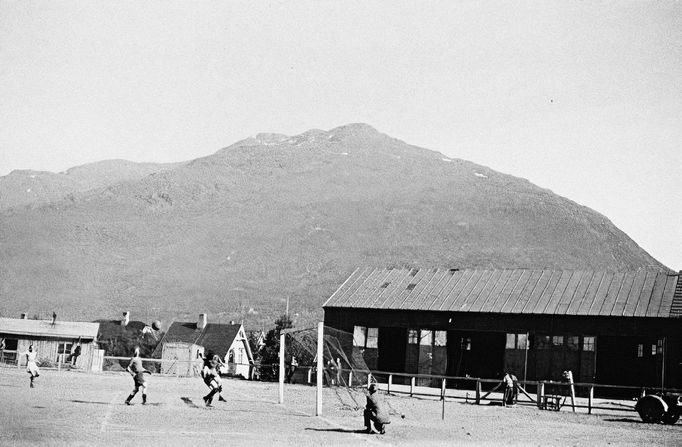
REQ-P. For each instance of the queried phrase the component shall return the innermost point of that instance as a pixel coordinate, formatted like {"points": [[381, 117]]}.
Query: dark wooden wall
{"points": [[616, 337]]}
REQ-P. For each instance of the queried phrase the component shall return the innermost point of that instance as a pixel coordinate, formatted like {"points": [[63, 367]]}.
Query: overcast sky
{"points": [[583, 98]]}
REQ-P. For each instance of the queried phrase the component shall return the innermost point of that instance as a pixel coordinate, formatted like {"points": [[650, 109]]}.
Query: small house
{"points": [[193, 339], [54, 341]]}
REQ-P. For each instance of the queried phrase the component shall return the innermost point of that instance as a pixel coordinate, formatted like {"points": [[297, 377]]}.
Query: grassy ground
{"points": [[74, 408]]}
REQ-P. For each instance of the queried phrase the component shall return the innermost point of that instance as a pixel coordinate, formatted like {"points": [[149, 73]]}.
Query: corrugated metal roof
{"points": [[641, 293], [45, 328]]}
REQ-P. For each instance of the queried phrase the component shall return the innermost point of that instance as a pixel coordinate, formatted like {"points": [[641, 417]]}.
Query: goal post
{"points": [[320, 367], [282, 337], [324, 357]]}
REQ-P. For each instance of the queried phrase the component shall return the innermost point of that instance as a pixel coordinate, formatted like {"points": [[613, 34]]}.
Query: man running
{"points": [[138, 371], [212, 378], [31, 365]]}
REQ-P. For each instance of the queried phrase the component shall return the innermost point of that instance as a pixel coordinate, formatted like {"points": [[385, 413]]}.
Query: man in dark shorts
{"points": [[212, 378], [138, 371]]}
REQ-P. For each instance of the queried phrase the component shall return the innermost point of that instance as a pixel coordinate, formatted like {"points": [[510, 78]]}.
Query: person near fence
{"points": [[375, 411], [2, 350], [31, 365], [74, 355], [211, 376], [137, 371], [293, 366], [510, 383]]}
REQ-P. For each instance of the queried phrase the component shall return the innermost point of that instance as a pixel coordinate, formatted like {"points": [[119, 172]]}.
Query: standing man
{"points": [[510, 383], [293, 366], [137, 371], [76, 353], [31, 365], [375, 411]]}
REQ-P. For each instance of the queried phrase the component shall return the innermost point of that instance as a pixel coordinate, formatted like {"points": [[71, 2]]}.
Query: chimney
{"points": [[201, 324], [24, 316], [126, 319]]}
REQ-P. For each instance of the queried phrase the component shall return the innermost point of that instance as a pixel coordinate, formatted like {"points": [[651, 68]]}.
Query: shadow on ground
{"points": [[337, 430], [632, 421], [89, 402]]}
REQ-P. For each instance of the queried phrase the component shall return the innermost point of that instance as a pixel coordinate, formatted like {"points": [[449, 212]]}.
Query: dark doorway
{"points": [[630, 361], [477, 354], [392, 344]]}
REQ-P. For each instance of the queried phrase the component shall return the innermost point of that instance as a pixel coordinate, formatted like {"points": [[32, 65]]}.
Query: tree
{"points": [[270, 353]]}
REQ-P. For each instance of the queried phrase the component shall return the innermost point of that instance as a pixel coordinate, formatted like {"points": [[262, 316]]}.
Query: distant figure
{"points": [[510, 383], [332, 373], [293, 366], [2, 350], [375, 411], [138, 371], [212, 378], [31, 365], [75, 354]]}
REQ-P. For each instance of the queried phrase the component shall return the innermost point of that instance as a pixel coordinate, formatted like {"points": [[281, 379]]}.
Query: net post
{"points": [[281, 367], [320, 367]]}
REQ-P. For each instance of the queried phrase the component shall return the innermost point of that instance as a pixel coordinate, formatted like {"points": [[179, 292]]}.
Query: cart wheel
{"points": [[670, 418], [651, 409]]}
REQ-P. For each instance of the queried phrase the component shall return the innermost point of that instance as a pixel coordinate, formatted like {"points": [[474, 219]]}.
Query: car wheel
{"points": [[651, 409], [670, 418]]}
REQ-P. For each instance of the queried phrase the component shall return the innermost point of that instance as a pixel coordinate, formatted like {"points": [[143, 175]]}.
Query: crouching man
{"points": [[375, 411]]}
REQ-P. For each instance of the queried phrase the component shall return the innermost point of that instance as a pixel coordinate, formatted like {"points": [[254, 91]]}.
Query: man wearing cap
{"points": [[375, 411]]}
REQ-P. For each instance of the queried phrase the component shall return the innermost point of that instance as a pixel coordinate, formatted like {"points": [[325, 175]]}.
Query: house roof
{"points": [[45, 328], [109, 329], [215, 337], [642, 293], [218, 337], [180, 331]]}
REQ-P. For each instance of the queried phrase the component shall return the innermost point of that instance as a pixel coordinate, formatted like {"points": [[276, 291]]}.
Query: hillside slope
{"points": [[34, 188], [236, 233]]}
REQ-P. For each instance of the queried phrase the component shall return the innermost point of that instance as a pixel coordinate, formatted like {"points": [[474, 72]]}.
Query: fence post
{"points": [[310, 375], [390, 382], [442, 390], [590, 398], [642, 393], [541, 393], [478, 392], [369, 379], [411, 386], [350, 378], [442, 415], [59, 362]]}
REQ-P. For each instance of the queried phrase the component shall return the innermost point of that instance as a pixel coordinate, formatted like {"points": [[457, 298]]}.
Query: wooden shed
{"points": [[621, 328], [53, 340]]}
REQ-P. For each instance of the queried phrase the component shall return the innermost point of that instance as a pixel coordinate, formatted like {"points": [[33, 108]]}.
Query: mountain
{"points": [[273, 217], [26, 187]]}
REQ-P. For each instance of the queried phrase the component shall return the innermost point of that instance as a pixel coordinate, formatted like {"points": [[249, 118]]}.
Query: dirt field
{"points": [[73, 408]]}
